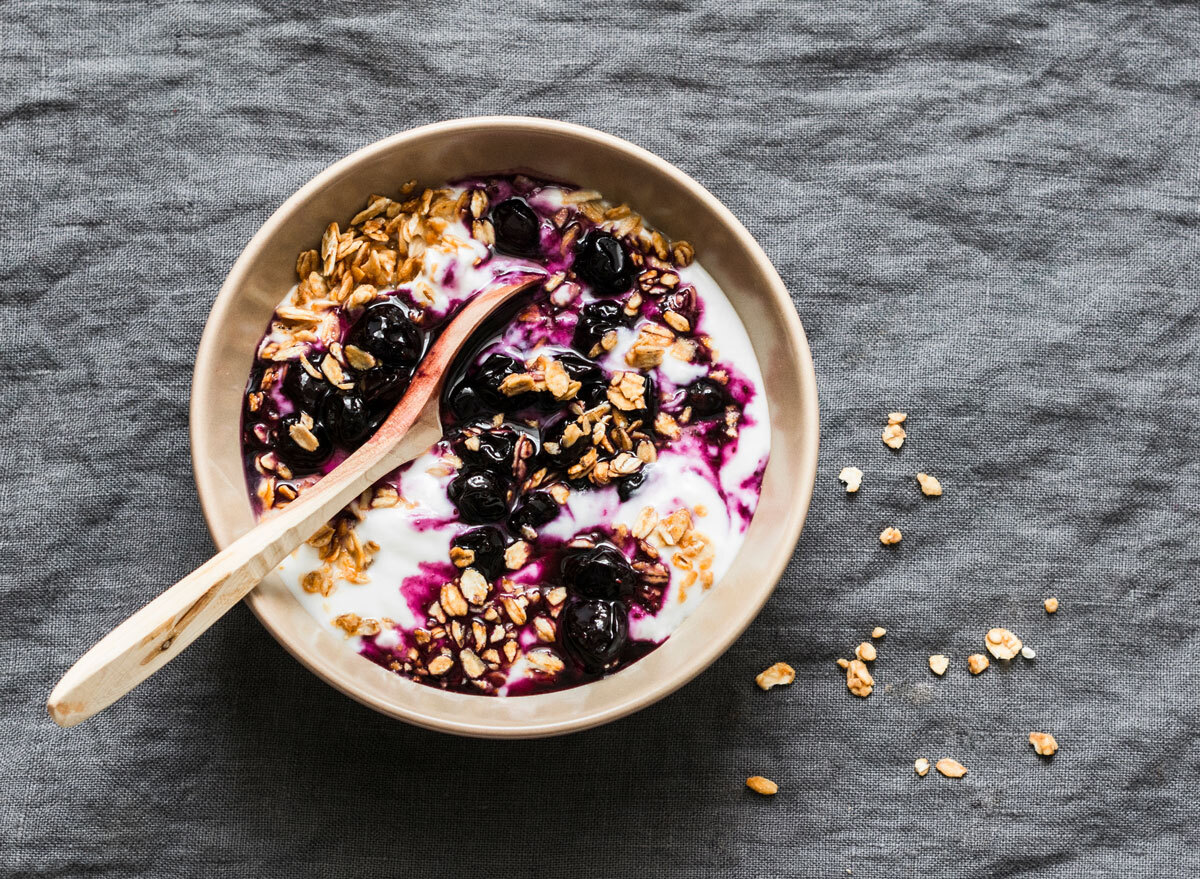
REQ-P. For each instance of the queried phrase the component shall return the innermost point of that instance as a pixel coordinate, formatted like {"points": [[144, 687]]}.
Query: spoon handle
{"points": [[160, 631]]}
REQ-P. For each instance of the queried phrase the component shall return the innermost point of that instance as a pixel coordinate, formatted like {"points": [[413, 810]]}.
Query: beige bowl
{"points": [[672, 202]]}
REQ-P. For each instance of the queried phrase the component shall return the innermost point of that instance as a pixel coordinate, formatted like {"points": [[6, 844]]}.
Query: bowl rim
{"points": [[204, 376]]}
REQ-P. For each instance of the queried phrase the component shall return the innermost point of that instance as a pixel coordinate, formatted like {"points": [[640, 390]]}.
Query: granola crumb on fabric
{"points": [[761, 785]]}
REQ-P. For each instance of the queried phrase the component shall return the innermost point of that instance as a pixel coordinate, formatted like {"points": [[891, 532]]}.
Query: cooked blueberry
{"points": [[599, 572], [596, 319], [682, 301], [706, 397], [302, 460], [556, 448], [487, 544], [595, 632], [466, 402], [488, 376], [302, 389], [480, 495], [348, 419], [383, 386], [601, 260], [518, 229], [491, 450], [385, 331], [627, 486], [537, 508], [593, 382]]}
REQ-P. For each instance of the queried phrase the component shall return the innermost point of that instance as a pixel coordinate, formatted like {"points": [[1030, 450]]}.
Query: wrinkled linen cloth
{"points": [[987, 215]]}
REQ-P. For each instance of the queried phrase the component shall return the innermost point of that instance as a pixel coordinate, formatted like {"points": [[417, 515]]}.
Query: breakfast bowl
{"points": [[626, 175]]}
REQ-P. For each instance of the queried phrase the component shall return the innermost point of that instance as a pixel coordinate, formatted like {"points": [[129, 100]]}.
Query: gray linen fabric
{"points": [[987, 216]]}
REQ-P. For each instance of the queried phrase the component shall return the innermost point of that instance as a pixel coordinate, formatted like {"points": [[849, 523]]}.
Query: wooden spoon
{"points": [[160, 631]]}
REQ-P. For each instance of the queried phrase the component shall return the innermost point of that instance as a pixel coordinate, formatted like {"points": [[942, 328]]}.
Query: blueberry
{"points": [[518, 228], [488, 545], [682, 301], [385, 331], [595, 632], [596, 319], [302, 389], [706, 397], [492, 450], [382, 387], [592, 379], [555, 449], [628, 485], [348, 419], [480, 495], [602, 261], [488, 376], [298, 458], [535, 510], [466, 402], [599, 572]]}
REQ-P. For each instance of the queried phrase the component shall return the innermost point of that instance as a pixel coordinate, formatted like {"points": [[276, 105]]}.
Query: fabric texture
{"points": [[987, 215]]}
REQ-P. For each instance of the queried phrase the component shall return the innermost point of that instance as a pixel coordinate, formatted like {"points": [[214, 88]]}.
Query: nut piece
{"points": [[453, 602], [858, 679], [761, 785], [1051, 604], [779, 674], [893, 436], [951, 768], [472, 664], [938, 663], [929, 485], [977, 663], [852, 478], [473, 586], [921, 766], [516, 555], [1002, 643], [889, 536], [1028, 652], [865, 651], [878, 632], [897, 417], [1043, 743]]}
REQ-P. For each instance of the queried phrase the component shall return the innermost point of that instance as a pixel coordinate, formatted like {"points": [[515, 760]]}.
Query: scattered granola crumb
{"points": [[865, 651], [1051, 604], [921, 766], [897, 417], [851, 477], [1002, 643], [1043, 743], [878, 632], [929, 485], [761, 785], [951, 768], [858, 679], [1028, 652], [977, 663], [780, 674], [890, 536], [938, 663], [842, 663], [893, 436]]}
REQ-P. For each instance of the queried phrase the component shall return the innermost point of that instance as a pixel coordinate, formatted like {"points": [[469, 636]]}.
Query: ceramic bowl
{"points": [[669, 200]]}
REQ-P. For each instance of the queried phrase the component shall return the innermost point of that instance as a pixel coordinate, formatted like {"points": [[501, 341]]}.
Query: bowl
{"points": [[668, 199]]}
